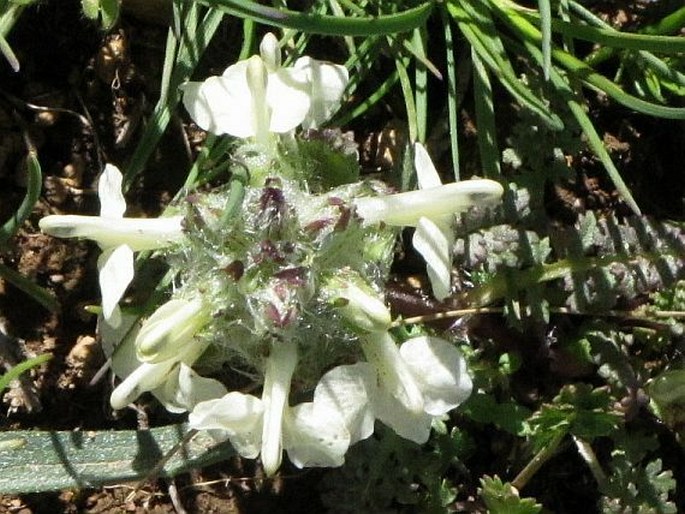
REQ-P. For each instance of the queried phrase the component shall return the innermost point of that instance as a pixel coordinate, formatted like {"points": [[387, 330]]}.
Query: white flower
{"points": [[257, 96], [118, 237], [328, 82], [168, 351], [431, 210], [403, 387], [311, 434]]}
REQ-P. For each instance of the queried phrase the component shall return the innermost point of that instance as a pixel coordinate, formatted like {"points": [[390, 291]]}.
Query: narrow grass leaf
{"points": [[408, 94], [421, 84], [588, 75], [325, 24], [369, 100], [546, 27], [40, 461], [33, 189], [485, 119], [40, 295], [452, 100], [22, 367], [593, 139]]}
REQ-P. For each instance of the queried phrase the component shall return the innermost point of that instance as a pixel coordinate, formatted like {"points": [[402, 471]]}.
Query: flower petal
{"points": [[414, 426], [115, 274], [347, 390], [440, 372], [145, 377], [238, 415], [327, 82], [315, 436], [426, 174], [112, 202], [184, 389], [222, 105], [288, 96], [393, 375], [434, 242]]}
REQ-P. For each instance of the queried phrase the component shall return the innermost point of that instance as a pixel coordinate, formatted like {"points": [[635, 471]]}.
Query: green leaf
{"points": [[635, 487], [578, 409], [42, 296], [33, 188], [452, 93], [37, 461], [328, 150], [20, 368], [9, 54], [503, 498], [91, 8], [545, 8], [509, 416], [109, 12], [314, 23], [485, 119]]}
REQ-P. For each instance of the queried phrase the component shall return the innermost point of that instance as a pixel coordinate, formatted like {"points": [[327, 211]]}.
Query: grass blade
{"points": [[325, 24], [546, 27], [40, 295], [485, 119], [38, 461], [33, 189], [20, 368], [452, 100]]}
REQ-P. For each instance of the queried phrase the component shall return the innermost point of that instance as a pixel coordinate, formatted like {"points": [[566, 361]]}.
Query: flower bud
{"points": [[358, 303], [170, 328]]}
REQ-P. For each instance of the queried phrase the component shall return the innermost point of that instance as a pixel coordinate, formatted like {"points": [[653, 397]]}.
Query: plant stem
{"points": [[537, 461]]}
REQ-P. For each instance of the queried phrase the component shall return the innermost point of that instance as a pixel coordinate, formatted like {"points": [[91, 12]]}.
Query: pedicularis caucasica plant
{"points": [[279, 276]]}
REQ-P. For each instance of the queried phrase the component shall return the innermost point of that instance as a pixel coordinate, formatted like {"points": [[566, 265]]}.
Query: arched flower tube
{"points": [[431, 210], [312, 434], [259, 96], [118, 237], [403, 387]]}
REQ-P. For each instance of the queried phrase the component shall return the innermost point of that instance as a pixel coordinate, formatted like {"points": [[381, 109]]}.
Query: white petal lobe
{"points": [[116, 272], [315, 437], [440, 372], [112, 202], [434, 243]]}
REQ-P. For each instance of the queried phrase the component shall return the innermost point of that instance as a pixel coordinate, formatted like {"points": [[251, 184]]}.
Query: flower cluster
{"points": [[287, 289]]}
